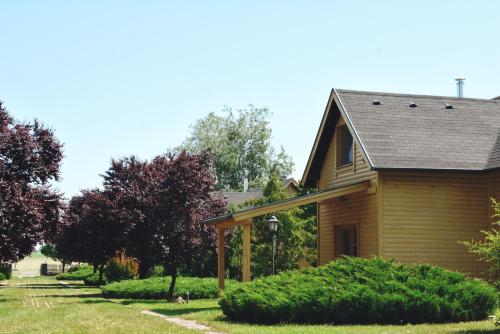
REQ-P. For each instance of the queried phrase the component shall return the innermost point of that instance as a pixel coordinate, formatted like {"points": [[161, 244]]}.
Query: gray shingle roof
{"points": [[239, 197], [429, 136]]}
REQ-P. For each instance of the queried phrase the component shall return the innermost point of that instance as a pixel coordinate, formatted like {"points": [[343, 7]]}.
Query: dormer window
{"points": [[345, 145]]}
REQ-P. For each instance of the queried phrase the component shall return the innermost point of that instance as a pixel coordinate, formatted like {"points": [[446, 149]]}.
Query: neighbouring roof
{"points": [[239, 197], [429, 136]]}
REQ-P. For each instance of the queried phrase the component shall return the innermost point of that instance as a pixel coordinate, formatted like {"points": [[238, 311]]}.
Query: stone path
{"points": [[189, 324]]}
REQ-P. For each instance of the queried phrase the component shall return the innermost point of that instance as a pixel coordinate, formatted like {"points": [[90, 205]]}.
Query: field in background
{"points": [[30, 266]]}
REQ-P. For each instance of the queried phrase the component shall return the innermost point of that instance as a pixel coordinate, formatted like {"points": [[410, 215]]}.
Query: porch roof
{"points": [[242, 217]]}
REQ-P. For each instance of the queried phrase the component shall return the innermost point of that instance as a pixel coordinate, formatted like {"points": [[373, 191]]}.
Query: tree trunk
{"points": [[95, 268], [101, 272], [170, 293], [64, 265]]}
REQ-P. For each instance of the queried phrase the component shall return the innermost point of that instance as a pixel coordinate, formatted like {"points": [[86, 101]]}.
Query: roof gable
{"points": [[429, 136]]}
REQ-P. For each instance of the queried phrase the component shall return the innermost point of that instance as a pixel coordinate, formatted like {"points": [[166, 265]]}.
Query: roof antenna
{"points": [[460, 86]]}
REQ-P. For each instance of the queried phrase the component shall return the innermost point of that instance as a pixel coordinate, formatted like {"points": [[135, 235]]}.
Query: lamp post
{"points": [[273, 227]]}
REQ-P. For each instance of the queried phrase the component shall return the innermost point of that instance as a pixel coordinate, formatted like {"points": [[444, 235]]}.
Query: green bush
{"points": [[93, 280], [2, 277], [157, 271], [78, 274], [6, 270], [361, 291], [156, 288]]}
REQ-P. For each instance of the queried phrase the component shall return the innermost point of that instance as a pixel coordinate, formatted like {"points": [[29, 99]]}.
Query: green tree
{"points": [[241, 146], [488, 249], [296, 236]]}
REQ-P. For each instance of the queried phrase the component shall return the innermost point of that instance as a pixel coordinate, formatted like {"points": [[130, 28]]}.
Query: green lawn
{"points": [[208, 312], [42, 305]]}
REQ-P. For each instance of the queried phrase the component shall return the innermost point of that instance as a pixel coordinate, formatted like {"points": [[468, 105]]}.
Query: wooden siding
{"points": [[357, 209], [332, 175], [425, 215], [493, 190]]}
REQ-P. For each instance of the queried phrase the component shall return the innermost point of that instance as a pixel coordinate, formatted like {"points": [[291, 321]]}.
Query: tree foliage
{"points": [[186, 198], [488, 249], [134, 188], [296, 236], [241, 146], [30, 157], [92, 233]]}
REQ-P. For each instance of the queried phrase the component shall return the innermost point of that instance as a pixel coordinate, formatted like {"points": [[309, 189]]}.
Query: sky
{"points": [[115, 78]]}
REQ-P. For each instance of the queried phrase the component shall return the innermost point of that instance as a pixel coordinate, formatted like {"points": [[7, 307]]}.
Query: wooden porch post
{"points": [[246, 251], [220, 258]]}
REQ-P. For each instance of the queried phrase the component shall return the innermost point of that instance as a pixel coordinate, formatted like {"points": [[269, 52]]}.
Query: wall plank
{"points": [[425, 215]]}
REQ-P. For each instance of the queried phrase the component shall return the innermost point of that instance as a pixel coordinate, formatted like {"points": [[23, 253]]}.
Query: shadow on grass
{"points": [[478, 331], [181, 311], [97, 301], [53, 286], [76, 295], [140, 301]]}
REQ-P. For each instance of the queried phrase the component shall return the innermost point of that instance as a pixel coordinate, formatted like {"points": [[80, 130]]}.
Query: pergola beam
{"points": [[220, 258], [246, 252]]}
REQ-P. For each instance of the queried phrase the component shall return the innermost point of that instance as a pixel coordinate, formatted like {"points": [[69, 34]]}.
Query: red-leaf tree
{"points": [[92, 234], [186, 197], [30, 157], [133, 186]]}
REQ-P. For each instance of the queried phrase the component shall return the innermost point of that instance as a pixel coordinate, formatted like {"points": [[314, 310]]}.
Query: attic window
{"points": [[412, 104], [376, 102], [345, 145], [448, 106]]}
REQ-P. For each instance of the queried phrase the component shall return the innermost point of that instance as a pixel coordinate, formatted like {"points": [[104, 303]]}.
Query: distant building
{"points": [[239, 197]]}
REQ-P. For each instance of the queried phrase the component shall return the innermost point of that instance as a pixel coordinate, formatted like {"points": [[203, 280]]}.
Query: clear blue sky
{"points": [[115, 78]]}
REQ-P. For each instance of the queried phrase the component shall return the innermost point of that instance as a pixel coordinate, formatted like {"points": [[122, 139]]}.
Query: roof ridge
{"points": [[340, 90]]}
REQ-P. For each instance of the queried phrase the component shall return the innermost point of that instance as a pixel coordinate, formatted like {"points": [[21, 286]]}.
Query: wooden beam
{"points": [[298, 201], [246, 253], [220, 258]]}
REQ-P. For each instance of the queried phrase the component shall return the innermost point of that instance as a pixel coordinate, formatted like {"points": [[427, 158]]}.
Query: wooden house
{"points": [[434, 162], [401, 176]]}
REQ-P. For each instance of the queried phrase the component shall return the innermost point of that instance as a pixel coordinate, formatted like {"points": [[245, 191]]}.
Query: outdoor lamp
{"points": [[273, 224], [273, 227]]}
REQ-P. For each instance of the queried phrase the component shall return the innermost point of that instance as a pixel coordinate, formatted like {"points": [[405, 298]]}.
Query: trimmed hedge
{"points": [[78, 274], [156, 288], [93, 280], [361, 291]]}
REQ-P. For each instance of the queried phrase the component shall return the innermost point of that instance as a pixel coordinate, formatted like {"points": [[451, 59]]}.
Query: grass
{"points": [[208, 312], [42, 305], [79, 309]]}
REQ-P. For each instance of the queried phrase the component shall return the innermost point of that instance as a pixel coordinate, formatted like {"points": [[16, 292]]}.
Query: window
{"points": [[346, 240], [345, 146]]}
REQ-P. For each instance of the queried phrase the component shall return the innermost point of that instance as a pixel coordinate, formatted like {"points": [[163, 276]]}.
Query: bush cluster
{"points": [[156, 288], [76, 273], [361, 291], [2, 277], [121, 268]]}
